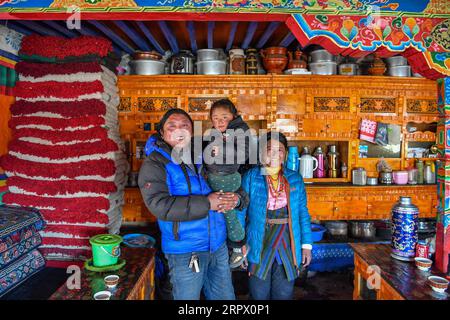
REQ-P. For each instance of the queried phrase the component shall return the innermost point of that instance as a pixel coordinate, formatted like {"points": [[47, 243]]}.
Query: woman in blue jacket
{"points": [[279, 229]]}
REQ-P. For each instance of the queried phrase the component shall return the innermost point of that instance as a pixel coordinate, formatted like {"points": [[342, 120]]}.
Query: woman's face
{"points": [[276, 153], [177, 131], [220, 118]]}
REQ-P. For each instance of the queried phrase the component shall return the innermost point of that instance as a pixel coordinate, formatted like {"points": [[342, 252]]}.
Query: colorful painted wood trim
{"points": [[378, 105], [331, 104], [156, 104], [421, 106]]}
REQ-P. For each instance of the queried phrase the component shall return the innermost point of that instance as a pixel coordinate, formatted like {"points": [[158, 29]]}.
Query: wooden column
{"points": [[443, 140]]}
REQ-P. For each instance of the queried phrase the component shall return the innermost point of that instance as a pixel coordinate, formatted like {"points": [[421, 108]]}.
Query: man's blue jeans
{"points": [[214, 276], [275, 287]]}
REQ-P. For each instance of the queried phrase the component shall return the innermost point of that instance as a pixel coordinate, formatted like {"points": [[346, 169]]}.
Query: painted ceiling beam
{"points": [[211, 26], [18, 28], [287, 40], [113, 36], [169, 36], [249, 35], [267, 34], [60, 28], [137, 39], [150, 37], [234, 26], [193, 39], [37, 27], [86, 31]]}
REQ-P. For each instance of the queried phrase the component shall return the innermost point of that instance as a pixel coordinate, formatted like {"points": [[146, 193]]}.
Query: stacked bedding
{"points": [[66, 157], [19, 239]]}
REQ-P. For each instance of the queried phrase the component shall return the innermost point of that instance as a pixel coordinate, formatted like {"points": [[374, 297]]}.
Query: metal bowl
{"points": [[399, 71], [211, 67], [323, 68], [427, 225], [362, 229], [396, 61], [147, 67], [322, 55], [372, 181], [207, 54]]}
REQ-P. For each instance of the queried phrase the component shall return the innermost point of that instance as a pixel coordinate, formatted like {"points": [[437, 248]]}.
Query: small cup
{"points": [[111, 281], [102, 295], [423, 264], [438, 284]]}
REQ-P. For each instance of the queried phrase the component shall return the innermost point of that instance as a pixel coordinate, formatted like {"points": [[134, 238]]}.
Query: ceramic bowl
{"points": [[438, 284], [102, 295], [111, 281], [423, 264]]}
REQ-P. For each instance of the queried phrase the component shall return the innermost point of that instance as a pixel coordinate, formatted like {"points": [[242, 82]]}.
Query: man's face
{"points": [[177, 130]]}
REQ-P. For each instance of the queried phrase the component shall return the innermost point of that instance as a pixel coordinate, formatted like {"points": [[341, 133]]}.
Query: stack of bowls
{"points": [[322, 62], [211, 61], [398, 67]]}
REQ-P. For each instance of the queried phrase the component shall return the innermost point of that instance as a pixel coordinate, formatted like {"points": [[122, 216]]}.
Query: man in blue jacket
{"points": [[193, 229]]}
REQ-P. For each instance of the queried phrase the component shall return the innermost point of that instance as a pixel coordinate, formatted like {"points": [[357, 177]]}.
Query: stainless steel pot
{"points": [[182, 63], [211, 67], [337, 228], [321, 55], [359, 176], [147, 67], [362, 229], [323, 68], [396, 61], [348, 69], [208, 54], [399, 71], [372, 181]]}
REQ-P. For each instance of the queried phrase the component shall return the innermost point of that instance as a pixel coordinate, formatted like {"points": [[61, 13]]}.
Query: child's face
{"points": [[220, 118]]}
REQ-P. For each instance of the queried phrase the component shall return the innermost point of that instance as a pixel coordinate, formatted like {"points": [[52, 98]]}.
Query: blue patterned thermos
{"points": [[405, 218]]}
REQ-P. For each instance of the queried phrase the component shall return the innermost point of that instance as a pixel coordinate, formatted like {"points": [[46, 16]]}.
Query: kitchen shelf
{"points": [[325, 180]]}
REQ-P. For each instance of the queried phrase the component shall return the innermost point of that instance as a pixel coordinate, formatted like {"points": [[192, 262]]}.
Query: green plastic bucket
{"points": [[105, 249]]}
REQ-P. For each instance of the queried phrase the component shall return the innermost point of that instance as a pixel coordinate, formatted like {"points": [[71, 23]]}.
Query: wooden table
{"points": [[390, 279], [136, 279]]}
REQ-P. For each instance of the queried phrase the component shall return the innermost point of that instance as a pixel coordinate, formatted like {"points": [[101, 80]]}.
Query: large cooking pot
{"points": [[323, 68], [147, 67], [399, 71], [212, 67], [362, 229]]}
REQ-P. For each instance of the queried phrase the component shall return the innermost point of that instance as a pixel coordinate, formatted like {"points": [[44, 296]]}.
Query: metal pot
{"points": [[323, 68], [372, 181], [182, 63], [321, 55], [362, 229], [208, 54], [337, 228], [399, 71], [396, 61], [359, 176], [147, 67], [211, 67], [348, 69]]}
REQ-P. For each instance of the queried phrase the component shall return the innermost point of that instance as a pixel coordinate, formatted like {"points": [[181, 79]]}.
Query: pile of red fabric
{"points": [[66, 157]]}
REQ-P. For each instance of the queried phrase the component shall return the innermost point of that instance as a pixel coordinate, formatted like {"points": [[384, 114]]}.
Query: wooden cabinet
{"points": [[312, 110]]}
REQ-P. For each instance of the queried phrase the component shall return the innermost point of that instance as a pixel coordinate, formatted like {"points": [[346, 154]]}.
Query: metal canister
{"points": [[405, 216], [320, 171], [333, 162], [251, 61]]}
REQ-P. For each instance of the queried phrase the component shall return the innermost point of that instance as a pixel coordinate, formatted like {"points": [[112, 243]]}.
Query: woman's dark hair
{"points": [[160, 124], [275, 135], [226, 104]]}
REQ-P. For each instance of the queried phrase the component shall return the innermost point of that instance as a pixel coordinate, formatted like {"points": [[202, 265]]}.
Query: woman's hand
{"points": [[223, 202], [306, 257]]}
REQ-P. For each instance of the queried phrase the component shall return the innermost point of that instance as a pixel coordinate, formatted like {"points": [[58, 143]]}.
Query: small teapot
{"points": [[299, 62]]}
